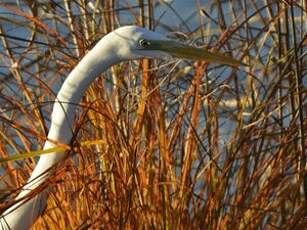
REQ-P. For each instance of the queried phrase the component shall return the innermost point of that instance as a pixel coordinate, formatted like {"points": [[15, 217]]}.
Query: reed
{"points": [[161, 144]]}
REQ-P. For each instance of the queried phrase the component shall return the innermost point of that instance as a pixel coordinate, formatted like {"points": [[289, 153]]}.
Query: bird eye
{"points": [[144, 43]]}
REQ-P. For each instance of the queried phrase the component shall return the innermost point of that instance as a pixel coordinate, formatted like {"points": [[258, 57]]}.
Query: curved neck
{"points": [[23, 214], [97, 60], [74, 87]]}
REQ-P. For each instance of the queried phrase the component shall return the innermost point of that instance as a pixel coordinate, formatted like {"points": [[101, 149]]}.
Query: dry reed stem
{"points": [[206, 147]]}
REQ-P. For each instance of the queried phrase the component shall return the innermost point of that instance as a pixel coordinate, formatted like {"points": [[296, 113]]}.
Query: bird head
{"points": [[133, 42]]}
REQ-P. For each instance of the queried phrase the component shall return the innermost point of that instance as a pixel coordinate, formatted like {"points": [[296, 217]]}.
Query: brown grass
{"points": [[178, 145]]}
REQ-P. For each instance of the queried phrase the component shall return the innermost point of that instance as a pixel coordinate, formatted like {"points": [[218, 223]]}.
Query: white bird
{"points": [[125, 43]]}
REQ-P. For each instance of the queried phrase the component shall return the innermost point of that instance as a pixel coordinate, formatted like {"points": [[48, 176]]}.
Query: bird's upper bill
{"points": [[189, 52]]}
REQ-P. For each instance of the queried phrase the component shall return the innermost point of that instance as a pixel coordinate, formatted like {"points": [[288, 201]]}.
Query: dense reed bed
{"points": [[161, 144]]}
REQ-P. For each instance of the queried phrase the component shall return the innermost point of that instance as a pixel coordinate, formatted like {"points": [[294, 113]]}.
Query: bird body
{"points": [[125, 43]]}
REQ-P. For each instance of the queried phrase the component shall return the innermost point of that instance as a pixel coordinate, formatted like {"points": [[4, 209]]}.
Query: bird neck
{"points": [[102, 56], [96, 61]]}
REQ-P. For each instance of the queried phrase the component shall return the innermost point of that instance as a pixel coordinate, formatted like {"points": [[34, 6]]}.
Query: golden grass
{"points": [[168, 150]]}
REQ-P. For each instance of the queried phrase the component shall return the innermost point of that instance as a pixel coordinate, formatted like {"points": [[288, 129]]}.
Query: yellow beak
{"points": [[185, 51]]}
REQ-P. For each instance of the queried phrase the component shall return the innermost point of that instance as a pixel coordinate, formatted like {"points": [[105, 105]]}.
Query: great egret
{"points": [[125, 43]]}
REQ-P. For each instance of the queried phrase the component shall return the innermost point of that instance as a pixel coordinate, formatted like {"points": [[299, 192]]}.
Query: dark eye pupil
{"points": [[144, 43]]}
